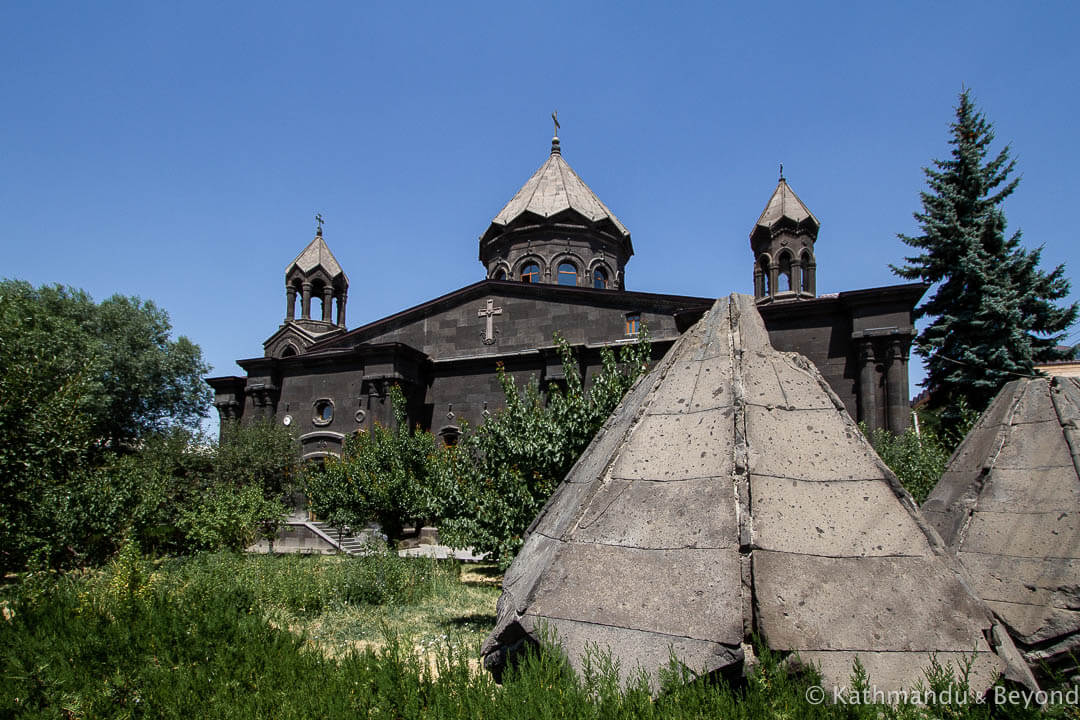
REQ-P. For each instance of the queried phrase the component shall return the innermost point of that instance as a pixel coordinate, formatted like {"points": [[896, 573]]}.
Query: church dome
{"points": [[553, 222], [553, 189]]}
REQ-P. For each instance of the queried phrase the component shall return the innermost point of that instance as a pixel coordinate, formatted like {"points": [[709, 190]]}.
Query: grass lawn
{"points": [[458, 614], [246, 636]]}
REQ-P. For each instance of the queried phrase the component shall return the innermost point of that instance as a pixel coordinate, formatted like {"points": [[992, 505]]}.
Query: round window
{"points": [[324, 412]]}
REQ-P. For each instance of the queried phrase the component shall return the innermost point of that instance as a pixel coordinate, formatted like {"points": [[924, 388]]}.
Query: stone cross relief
{"points": [[489, 312]]}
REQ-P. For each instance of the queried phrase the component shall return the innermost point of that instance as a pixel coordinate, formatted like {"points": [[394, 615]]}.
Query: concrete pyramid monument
{"points": [[730, 493], [1009, 506]]}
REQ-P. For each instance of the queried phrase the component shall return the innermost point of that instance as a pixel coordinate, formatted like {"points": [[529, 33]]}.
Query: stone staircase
{"points": [[352, 543]]}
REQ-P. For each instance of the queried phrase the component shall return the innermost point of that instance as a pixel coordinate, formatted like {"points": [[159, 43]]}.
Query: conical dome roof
{"points": [[785, 207], [730, 493], [317, 255], [1009, 505], [554, 189]]}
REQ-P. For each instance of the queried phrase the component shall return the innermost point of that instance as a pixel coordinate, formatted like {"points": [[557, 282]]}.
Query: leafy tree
{"points": [[150, 381], [46, 384], [496, 480], [136, 379], [136, 495], [381, 475], [993, 313], [485, 491], [85, 389]]}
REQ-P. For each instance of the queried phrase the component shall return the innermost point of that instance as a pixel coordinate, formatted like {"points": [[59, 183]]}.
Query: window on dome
{"points": [[785, 273], [530, 273], [500, 274], [567, 274], [599, 279]]}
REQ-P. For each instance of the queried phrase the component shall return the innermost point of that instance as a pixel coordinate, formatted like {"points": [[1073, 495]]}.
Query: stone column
{"points": [[896, 384], [796, 277], [774, 275], [811, 278], [867, 385], [759, 282], [341, 309], [290, 302], [305, 302], [327, 304]]}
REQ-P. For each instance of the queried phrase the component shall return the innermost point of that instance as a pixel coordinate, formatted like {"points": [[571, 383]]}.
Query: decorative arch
{"points": [[320, 444], [319, 276], [500, 267], [785, 277], [567, 274], [763, 272], [527, 260], [600, 265], [572, 258], [809, 269]]}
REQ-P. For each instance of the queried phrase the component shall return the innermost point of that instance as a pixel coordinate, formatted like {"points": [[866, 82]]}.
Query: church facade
{"points": [[554, 260]]}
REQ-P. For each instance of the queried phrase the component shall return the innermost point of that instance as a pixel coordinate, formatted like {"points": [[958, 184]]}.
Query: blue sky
{"points": [[178, 152]]}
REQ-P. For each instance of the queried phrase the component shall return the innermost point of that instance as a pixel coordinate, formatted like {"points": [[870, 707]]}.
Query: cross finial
{"points": [[781, 171], [555, 119], [319, 222]]}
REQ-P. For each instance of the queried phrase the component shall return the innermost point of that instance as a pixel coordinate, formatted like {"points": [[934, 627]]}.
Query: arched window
{"points": [[784, 280], [807, 280], [318, 297], [500, 274], [530, 273], [766, 285], [293, 295], [567, 274], [289, 351], [599, 279]]}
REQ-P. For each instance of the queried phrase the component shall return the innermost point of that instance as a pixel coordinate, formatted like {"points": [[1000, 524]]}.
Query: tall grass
{"points": [[190, 640]]}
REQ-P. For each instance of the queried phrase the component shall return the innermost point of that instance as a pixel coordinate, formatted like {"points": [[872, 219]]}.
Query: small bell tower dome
{"points": [[314, 275], [783, 244]]}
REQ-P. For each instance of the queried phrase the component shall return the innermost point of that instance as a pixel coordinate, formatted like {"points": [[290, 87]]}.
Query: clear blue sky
{"points": [[179, 151]]}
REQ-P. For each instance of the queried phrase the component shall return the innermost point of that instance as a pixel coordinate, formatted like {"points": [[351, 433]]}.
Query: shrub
{"points": [[918, 458], [381, 475], [485, 491], [495, 481]]}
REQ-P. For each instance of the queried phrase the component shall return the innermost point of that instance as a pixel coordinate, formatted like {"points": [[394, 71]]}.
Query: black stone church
{"points": [[554, 260]]}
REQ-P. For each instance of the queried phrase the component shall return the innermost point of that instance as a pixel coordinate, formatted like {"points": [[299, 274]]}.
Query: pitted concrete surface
{"points": [[1009, 506], [731, 493]]}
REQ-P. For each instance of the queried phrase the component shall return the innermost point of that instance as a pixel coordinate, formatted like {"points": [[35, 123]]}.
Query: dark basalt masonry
{"points": [[555, 260]]}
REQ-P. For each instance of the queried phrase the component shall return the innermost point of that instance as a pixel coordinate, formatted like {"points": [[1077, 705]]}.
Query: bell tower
{"points": [[313, 277], [783, 244]]}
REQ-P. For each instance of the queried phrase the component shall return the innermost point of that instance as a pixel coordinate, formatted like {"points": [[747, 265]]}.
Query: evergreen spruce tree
{"points": [[993, 313]]}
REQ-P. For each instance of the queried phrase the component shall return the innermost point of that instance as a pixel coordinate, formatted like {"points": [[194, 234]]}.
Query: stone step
{"points": [[351, 543]]}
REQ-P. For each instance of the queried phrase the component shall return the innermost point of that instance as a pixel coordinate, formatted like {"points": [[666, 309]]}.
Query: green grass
{"points": [[458, 613], [230, 636]]}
